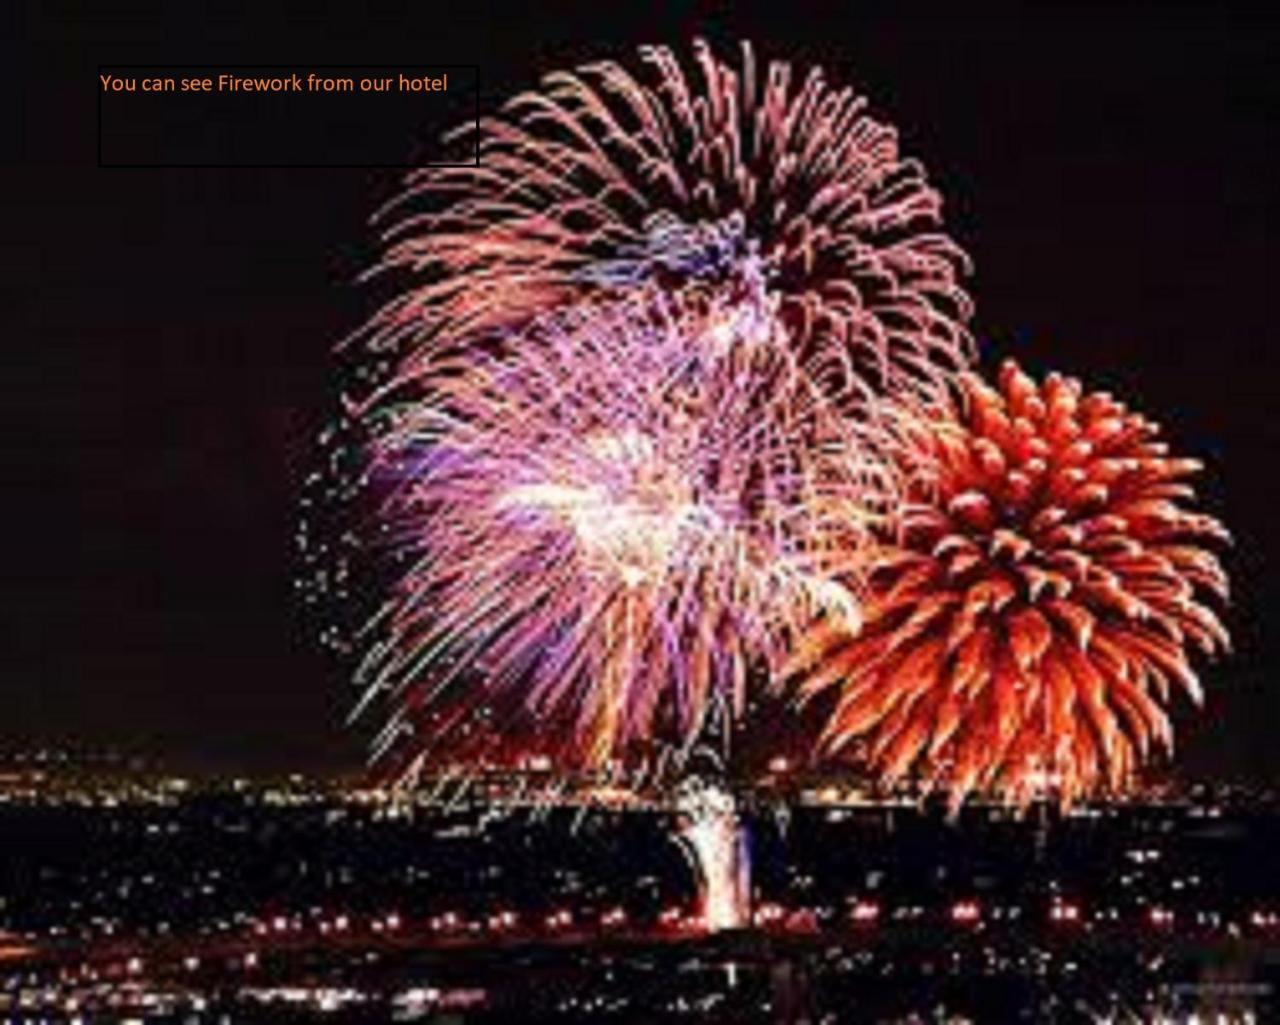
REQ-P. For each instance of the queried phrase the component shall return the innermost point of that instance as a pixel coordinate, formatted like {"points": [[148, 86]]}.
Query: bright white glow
{"points": [[714, 839], [631, 518]]}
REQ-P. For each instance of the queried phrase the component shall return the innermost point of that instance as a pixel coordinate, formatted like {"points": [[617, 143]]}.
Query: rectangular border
{"points": [[348, 67]]}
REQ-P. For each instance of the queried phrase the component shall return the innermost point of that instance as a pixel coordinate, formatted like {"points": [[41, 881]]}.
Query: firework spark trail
{"points": [[664, 411], [608, 522], [636, 400], [605, 182], [1024, 633]]}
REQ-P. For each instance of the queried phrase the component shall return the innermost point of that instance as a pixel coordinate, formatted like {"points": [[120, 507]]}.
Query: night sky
{"points": [[1112, 175]]}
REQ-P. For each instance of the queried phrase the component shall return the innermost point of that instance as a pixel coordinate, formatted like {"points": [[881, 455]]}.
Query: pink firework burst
{"points": [[607, 525], [609, 183], [631, 429]]}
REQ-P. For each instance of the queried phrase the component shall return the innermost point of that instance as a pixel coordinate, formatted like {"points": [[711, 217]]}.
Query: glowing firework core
{"points": [[633, 523]]}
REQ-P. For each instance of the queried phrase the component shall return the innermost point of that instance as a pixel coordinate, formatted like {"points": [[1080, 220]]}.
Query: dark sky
{"points": [[1112, 174]]}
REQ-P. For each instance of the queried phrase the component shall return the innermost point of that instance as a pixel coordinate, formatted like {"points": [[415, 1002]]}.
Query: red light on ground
{"points": [[965, 911], [802, 920], [1160, 917], [500, 920], [864, 911], [1064, 913]]}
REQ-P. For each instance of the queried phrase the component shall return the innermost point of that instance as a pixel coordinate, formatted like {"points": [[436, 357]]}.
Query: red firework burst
{"points": [[604, 184], [1026, 628]]}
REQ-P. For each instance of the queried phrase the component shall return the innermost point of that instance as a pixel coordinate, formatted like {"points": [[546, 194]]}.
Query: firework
{"points": [[713, 839], [1025, 630], [627, 419], [601, 528], [605, 184]]}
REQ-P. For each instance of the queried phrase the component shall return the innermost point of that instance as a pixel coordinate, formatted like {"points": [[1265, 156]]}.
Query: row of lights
{"points": [[970, 912], [862, 912], [963, 912]]}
